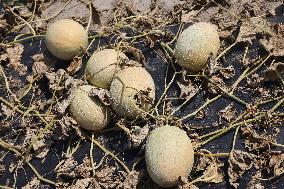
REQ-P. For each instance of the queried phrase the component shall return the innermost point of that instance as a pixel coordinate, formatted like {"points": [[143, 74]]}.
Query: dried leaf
{"points": [[239, 163], [39, 67], [2, 168], [229, 113], [214, 172], [81, 183], [5, 110], [216, 85], [226, 22], [62, 106], [42, 147], [251, 27], [187, 89], [102, 94], [254, 182], [96, 14], [143, 96], [274, 43], [84, 169], [211, 168], [273, 72], [187, 17], [34, 183], [75, 65], [137, 136], [66, 170], [106, 177], [15, 55], [227, 72], [131, 180], [276, 163], [254, 81], [258, 141]]}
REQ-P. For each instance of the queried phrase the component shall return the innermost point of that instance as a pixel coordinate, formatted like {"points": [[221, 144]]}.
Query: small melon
{"points": [[89, 112], [102, 67], [169, 155], [195, 45], [132, 91], [66, 39]]}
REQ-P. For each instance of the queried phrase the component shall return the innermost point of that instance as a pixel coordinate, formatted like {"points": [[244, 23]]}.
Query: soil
{"points": [[233, 110]]}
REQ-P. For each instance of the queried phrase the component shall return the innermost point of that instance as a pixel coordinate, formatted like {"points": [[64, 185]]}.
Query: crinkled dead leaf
{"points": [[239, 163], [184, 183], [39, 68], [143, 96], [188, 17], [42, 147], [62, 128], [200, 114], [14, 56], [2, 168], [66, 170], [259, 7], [228, 113], [273, 72], [212, 169], [254, 81], [36, 6], [137, 136], [62, 106], [3, 57], [34, 183], [106, 177], [187, 186], [62, 83], [216, 84], [276, 163], [41, 65], [84, 169], [54, 78], [75, 65], [82, 183], [254, 182], [5, 110], [102, 94], [137, 55], [227, 72], [214, 172], [255, 141], [4, 28], [187, 89], [131, 180], [251, 27], [226, 22], [275, 43], [96, 14], [269, 166]]}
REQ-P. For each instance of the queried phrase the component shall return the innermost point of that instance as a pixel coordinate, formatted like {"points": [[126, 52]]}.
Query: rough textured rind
{"points": [[169, 154], [195, 44], [66, 39], [124, 89], [102, 66], [90, 113]]}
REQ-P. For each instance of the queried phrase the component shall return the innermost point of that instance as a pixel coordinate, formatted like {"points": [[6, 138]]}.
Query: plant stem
{"points": [[10, 148]]}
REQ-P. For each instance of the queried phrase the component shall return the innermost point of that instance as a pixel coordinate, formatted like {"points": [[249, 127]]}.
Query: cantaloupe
{"points": [[89, 112], [132, 92], [102, 67], [169, 155], [66, 39], [195, 45]]}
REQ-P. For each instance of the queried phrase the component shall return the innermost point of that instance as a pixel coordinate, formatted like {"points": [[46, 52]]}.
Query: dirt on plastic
{"points": [[233, 110]]}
